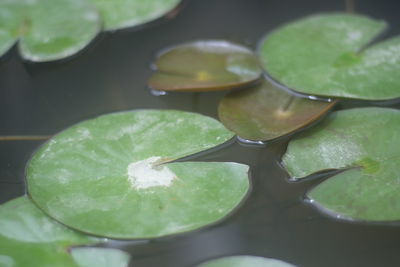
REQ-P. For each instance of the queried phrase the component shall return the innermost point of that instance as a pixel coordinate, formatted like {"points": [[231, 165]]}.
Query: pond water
{"points": [[111, 75]]}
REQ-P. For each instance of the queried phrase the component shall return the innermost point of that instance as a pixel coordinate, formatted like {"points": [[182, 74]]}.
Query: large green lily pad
{"points": [[112, 176], [364, 143], [245, 261], [29, 238], [266, 112], [118, 14], [205, 66], [326, 55], [47, 29]]}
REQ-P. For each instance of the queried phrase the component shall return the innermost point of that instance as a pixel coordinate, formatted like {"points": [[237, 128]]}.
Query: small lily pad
{"points": [[118, 14], [47, 29], [205, 66], [363, 142], [29, 238], [112, 176], [245, 261], [266, 112], [327, 55]]}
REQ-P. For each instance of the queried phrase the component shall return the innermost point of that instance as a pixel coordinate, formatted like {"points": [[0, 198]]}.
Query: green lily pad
{"points": [[29, 238], [363, 142], [205, 66], [47, 29], [266, 112], [119, 14], [112, 176], [326, 55], [50, 30], [245, 261]]}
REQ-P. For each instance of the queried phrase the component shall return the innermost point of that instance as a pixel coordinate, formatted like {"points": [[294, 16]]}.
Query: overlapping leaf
{"points": [[29, 238], [364, 143], [205, 66], [266, 112], [327, 55], [110, 176]]}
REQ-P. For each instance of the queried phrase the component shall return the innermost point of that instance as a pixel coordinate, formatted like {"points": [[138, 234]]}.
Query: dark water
{"points": [[42, 99]]}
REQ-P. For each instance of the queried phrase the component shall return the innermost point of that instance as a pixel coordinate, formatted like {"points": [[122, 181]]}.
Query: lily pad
{"points": [[266, 112], [205, 66], [29, 238], [329, 55], [245, 261], [113, 176], [47, 29], [50, 30], [119, 14], [363, 142]]}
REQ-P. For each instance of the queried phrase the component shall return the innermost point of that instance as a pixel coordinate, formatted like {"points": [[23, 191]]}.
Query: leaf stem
{"points": [[349, 6]]}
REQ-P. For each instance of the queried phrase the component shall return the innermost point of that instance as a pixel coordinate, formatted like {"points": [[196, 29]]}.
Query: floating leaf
{"points": [[266, 112], [50, 30], [326, 55], [245, 261], [47, 29], [205, 66], [364, 143], [127, 13], [111, 176], [29, 238]]}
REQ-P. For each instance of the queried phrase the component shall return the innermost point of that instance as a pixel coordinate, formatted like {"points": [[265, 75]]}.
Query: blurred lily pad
{"points": [[245, 261], [47, 29], [118, 14], [266, 112], [113, 176], [205, 66], [330, 55], [29, 238], [50, 30], [363, 142]]}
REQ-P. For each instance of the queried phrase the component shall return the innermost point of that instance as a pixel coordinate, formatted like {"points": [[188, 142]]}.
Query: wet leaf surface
{"points": [[110, 176], [245, 261], [327, 55], [29, 238], [266, 112], [119, 14], [364, 143], [205, 66]]}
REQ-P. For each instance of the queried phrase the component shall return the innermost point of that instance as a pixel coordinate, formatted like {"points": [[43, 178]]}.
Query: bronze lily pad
{"points": [[266, 112], [205, 66]]}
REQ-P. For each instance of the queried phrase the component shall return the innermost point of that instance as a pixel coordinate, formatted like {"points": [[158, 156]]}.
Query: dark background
{"points": [[111, 75]]}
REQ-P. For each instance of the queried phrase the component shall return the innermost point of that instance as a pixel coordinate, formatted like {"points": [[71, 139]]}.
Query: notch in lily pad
{"points": [[363, 144], [266, 112], [331, 55], [30, 238], [205, 66], [245, 261], [115, 175]]}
